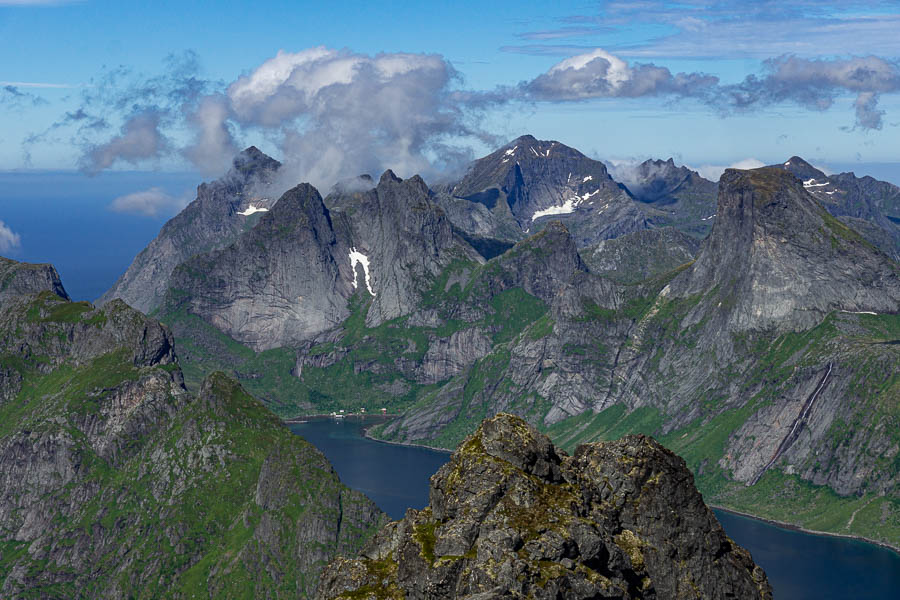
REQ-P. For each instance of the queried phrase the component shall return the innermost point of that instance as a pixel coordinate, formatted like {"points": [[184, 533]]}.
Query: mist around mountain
{"points": [[764, 354]]}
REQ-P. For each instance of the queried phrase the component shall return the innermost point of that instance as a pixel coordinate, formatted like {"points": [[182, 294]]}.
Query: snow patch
{"points": [[586, 179], [535, 152], [589, 194], [252, 209], [709, 217], [359, 257], [511, 151], [812, 183], [567, 207], [859, 312]]}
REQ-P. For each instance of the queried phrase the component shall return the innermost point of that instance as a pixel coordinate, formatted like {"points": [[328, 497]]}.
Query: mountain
{"points": [[870, 206], [291, 277], [522, 186], [769, 362], [765, 356], [116, 482], [511, 516], [671, 195], [221, 211]]}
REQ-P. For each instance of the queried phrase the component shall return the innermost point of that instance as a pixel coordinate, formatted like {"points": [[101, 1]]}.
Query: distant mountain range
{"points": [[766, 354]]}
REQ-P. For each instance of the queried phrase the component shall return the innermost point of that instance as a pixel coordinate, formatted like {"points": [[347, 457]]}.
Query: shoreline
{"points": [[407, 444], [365, 429], [769, 521], [801, 529]]}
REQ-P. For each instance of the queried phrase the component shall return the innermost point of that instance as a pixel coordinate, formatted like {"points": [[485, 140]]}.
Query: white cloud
{"points": [[9, 239], [599, 74], [148, 203], [713, 172]]}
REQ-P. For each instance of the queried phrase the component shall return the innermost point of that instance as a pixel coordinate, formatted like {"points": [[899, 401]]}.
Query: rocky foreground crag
{"points": [[115, 482], [511, 516]]}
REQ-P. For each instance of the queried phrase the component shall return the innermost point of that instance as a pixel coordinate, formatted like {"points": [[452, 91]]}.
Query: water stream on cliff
{"points": [[800, 566]]}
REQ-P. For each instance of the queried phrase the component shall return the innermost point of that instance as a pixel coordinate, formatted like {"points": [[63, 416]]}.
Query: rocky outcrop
{"points": [[511, 516], [115, 482], [212, 221], [20, 279]]}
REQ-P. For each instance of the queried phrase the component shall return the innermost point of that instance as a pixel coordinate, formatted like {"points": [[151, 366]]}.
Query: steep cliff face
{"points": [[291, 277], [221, 211], [784, 261], [116, 482], [513, 516], [284, 281], [402, 241], [19, 279], [529, 183]]}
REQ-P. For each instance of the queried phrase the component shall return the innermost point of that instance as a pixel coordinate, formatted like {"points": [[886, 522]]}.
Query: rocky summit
{"points": [[115, 482], [522, 186], [512, 516]]}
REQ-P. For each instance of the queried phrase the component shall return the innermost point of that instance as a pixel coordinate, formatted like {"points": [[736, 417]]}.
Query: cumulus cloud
{"points": [[816, 83], [148, 203], [9, 239], [139, 139], [336, 113], [331, 113], [213, 144], [599, 74]]}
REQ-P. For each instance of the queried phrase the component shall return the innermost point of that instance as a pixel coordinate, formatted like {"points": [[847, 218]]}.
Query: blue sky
{"points": [[492, 78]]}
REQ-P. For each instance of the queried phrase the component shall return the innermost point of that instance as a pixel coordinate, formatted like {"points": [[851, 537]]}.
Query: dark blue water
{"points": [[800, 566], [394, 477]]}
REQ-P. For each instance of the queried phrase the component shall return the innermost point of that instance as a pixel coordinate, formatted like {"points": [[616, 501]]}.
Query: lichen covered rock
{"points": [[513, 517]]}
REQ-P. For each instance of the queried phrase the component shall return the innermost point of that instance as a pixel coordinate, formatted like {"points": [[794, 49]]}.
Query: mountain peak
{"points": [[388, 177], [523, 139], [801, 168], [252, 160]]}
